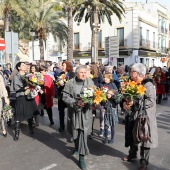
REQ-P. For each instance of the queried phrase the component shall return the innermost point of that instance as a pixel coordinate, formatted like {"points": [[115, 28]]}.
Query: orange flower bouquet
{"points": [[132, 89], [99, 96]]}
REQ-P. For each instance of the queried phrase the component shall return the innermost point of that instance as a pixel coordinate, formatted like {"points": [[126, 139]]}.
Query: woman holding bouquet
{"points": [[47, 96], [24, 108], [132, 108], [33, 70], [69, 74], [79, 114]]}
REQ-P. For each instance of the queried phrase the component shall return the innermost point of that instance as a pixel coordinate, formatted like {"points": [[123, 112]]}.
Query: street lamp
{"points": [[96, 28], [32, 32]]}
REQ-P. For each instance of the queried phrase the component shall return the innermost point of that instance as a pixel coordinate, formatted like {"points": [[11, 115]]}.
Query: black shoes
{"points": [[4, 134], [31, 130], [52, 123], [61, 129]]}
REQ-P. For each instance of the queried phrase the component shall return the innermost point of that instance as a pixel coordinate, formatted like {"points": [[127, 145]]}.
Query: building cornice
{"points": [[147, 22], [162, 14]]}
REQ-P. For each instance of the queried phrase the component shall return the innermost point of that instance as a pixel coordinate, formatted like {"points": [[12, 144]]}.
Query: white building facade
{"points": [[142, 34]]}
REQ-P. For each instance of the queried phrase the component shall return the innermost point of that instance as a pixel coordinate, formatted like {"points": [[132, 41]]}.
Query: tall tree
{"points": [[6, 7], [43, 18], [94, 12], [68, 6]]}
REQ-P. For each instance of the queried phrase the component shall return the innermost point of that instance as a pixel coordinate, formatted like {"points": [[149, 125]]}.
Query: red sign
{"points": [[2, 44]]}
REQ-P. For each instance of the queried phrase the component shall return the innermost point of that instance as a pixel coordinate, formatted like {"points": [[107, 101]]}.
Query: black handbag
{"points": [[141, 130]]}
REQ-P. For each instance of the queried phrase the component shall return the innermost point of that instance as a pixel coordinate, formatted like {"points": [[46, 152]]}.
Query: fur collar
{"points": [[146, 80]]}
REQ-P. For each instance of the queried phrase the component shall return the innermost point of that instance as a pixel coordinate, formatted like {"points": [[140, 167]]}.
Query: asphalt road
{"points": [[49, 150]]}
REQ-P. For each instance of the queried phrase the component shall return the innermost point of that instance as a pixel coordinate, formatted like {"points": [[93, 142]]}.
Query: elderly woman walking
{"points": [[137, 74], [79, 114]]}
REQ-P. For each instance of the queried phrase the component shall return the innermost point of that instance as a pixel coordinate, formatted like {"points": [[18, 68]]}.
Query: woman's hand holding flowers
{"points": [[27, 87], [80, 102]]}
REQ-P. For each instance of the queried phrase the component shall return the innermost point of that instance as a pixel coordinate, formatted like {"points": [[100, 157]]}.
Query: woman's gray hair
{"points": [[140, 68], [79, 68]]}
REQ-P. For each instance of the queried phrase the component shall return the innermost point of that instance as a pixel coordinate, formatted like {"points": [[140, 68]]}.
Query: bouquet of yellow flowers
{"points": [[61, 81], [123, 78], [34, 81], [132, 89]]}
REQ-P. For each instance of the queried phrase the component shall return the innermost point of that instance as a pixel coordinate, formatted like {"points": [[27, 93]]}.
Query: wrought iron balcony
{"points": [[123, 43]]}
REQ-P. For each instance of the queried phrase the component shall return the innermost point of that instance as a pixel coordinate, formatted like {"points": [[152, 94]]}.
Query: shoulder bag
{"points": [[141, 130]]}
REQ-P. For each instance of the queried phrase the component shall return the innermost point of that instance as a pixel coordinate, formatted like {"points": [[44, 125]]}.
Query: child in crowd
{"points": [[107, 84], [110, 116]]}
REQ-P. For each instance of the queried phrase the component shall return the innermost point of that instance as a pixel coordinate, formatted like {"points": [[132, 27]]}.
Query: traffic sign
{"points": [[2, 44]]}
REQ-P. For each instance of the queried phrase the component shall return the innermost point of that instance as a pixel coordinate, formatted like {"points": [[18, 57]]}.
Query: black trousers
{"points": [[144, 154], [61, 108], [159, 98], [50, 114]]}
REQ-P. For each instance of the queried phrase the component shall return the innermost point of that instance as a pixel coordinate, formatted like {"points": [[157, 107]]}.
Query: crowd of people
{"points": [[81, 116]]}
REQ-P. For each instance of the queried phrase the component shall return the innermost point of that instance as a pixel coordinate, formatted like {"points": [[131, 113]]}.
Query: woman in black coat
{"points": [[68, 71]]}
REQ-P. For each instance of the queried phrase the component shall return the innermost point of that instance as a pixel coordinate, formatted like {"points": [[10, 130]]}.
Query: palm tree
{"points": [[68, 6], [44, 18], [94, 12], [6, 7]]}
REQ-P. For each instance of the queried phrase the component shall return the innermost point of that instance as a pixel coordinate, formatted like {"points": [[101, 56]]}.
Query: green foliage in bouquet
{"points": [[7, 112]]}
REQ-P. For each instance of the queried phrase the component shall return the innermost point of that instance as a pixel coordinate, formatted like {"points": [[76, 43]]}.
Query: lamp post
{"points": [[96, 28], [32, 32]]}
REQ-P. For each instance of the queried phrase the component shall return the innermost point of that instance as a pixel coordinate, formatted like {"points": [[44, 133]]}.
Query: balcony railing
{"points": [[76, 46], [123, 43], [163, 50], [162, 29], [148, 44]]}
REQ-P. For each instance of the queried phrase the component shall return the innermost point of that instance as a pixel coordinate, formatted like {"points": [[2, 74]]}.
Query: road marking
{"points": [[157, 114], [49, 167]]}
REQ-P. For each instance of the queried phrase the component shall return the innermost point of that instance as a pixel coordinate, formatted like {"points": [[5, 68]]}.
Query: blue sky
{"points": [[162, 2]]}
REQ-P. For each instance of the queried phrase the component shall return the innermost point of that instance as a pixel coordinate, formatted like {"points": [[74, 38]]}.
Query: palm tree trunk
{"points": [[41, 50], [6, 28], [70, 36], [95, 35], [6, 22]]}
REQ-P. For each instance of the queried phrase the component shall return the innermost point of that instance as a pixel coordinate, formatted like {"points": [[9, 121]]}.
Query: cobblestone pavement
{"points": [[47, 149]]}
